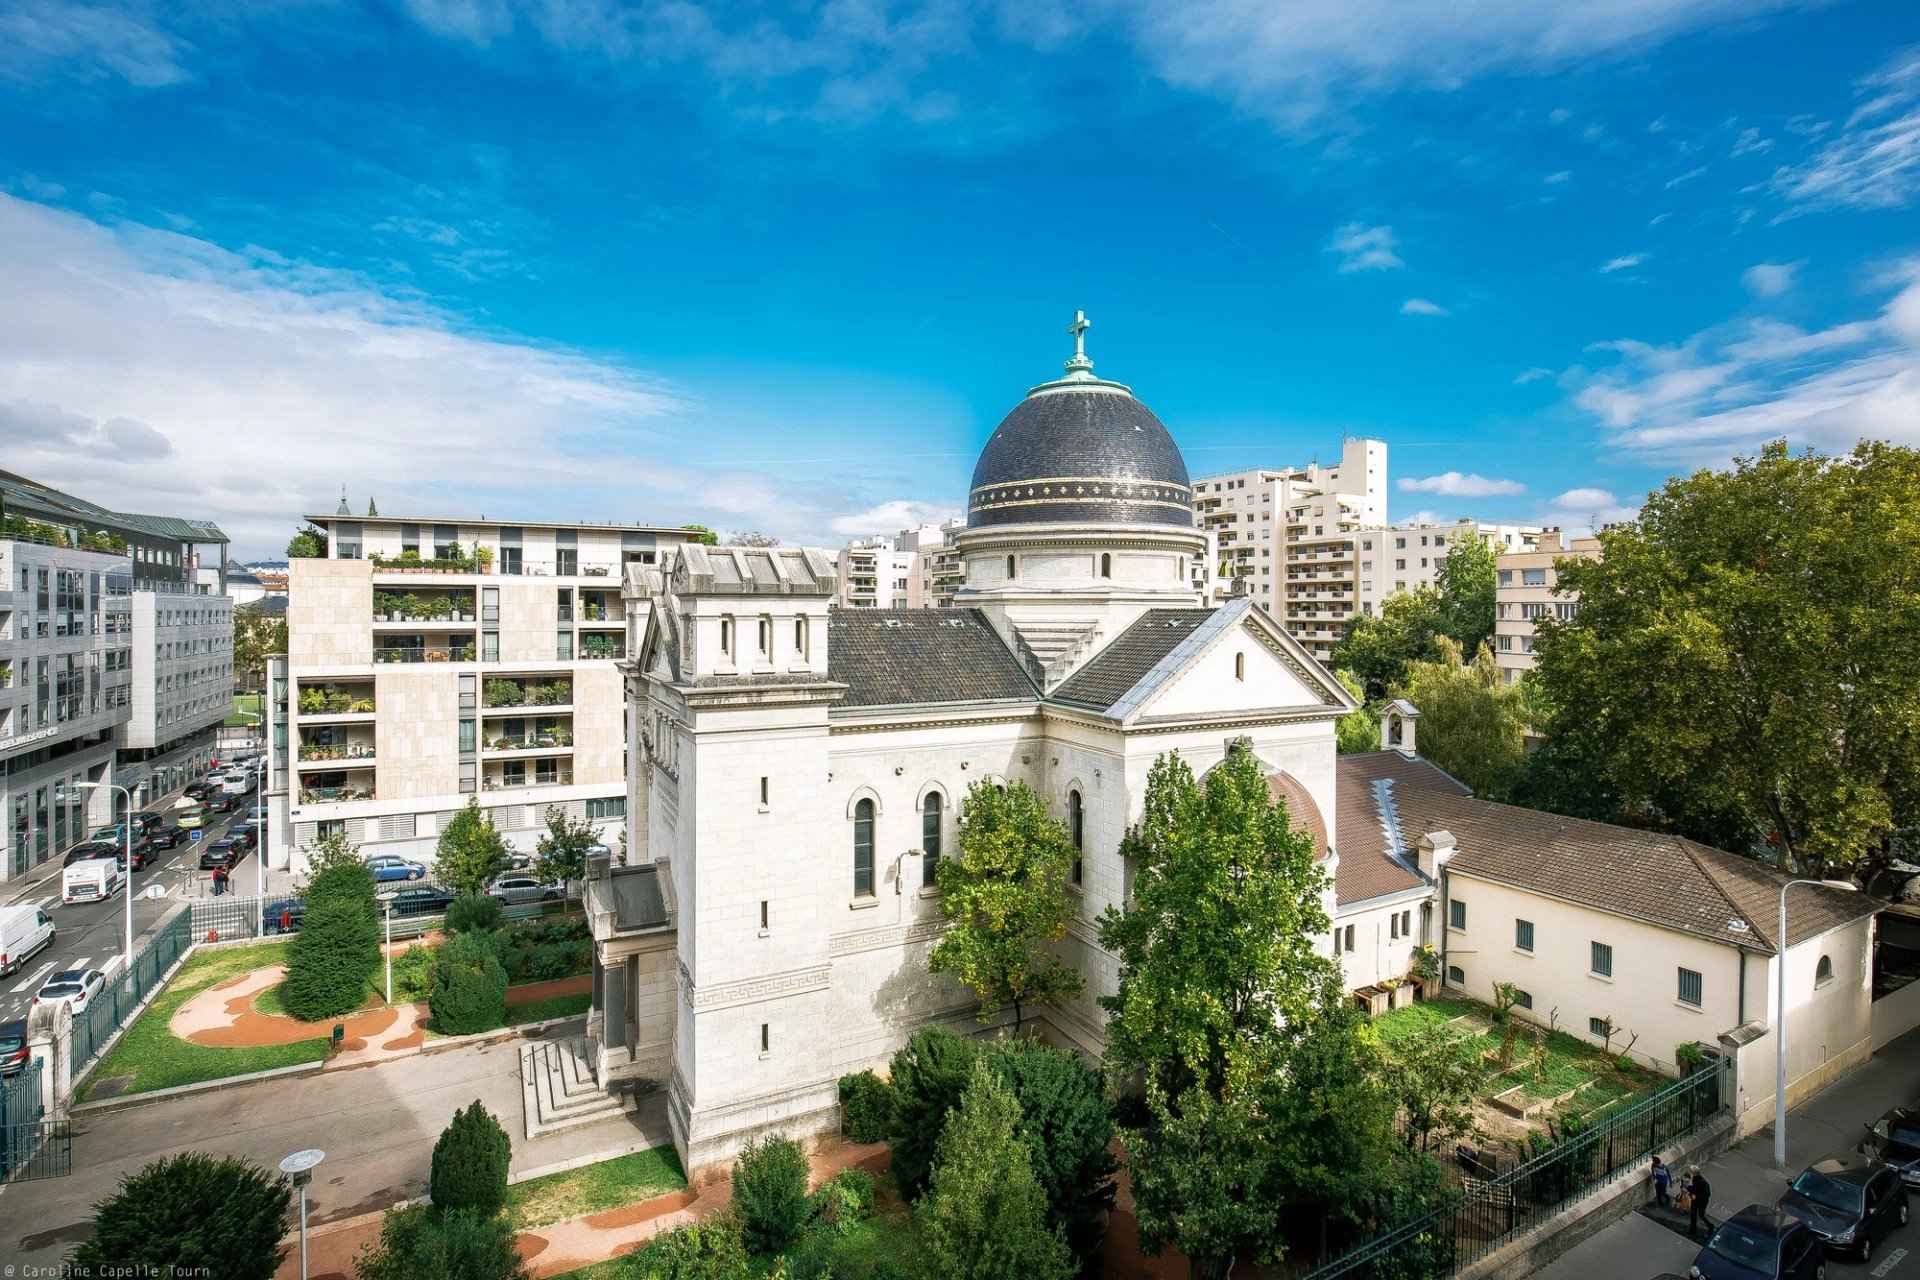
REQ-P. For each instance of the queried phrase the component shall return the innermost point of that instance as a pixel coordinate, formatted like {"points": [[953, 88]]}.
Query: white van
{"points": [[25, 931], [91, 881], [234, 781]]}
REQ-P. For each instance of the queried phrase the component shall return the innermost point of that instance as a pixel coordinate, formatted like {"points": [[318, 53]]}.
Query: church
{"points": [[797, 771]]}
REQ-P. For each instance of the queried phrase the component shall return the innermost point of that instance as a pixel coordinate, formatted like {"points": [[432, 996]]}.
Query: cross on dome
{"points": [[1079, 367]]}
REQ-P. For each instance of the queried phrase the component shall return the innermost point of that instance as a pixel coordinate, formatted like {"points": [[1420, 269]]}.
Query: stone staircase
{"points": [[557, 1086], [1053, 649]]}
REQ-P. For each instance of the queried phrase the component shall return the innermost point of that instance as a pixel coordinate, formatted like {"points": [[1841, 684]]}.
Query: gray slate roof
{"points": [[893, 657], [32, 497], [1108, 676]]}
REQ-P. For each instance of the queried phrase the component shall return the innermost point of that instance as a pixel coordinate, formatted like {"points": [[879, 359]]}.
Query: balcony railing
{"points": [[428, 653], [499, 693], [589, 650], [351, 751], [563, 779], [335, 795], [531, 742]]}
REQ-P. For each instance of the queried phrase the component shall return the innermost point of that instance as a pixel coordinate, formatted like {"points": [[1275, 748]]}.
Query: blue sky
{"points": [[783, 266]]}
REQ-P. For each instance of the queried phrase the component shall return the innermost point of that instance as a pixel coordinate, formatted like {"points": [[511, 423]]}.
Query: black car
{"points": [[1761, 1243], [225, 802], [1894, 1140], [198, 790], [168, 837], [14, 1053], [93, 849], [422, 899], [221, 853], [149, 821], [242, 837], [1852, 1202]]}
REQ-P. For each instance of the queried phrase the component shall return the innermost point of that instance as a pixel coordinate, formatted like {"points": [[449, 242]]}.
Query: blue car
{"points": [[386, 866]]}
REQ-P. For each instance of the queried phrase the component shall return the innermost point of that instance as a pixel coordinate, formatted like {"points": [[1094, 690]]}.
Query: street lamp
{"points": [[386, 899], [126, 835], [260, 851], [300, 1166], [1780, 1021]]}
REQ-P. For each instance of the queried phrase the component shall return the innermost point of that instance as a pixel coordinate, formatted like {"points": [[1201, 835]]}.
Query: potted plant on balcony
{"points": [[483, 557]]}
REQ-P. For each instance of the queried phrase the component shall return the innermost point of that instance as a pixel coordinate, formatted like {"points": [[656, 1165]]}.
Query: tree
{"points": [[1378, 649], [1745, 649], [709, 1249], [307, 544], [1216, 945], [1467, 579], [1005, 896], [469, 1168], [418, 1244], [929, 1075], [1434, 1073], [752, 538], [562, 851], [332, 959], [1471, 723], [469, 992], [1067, 1127], [190, 1214], [470, 853], [1358, 730], [257, 636], [332, 862], [702, 535], [770, 1193], [986, 1217]]}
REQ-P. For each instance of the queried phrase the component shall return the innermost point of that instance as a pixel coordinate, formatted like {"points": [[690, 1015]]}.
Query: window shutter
{"points": [[614, 1007]]}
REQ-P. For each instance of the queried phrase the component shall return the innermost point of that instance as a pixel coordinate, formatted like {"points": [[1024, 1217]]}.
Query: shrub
{"points": [[503, 693], [473, 913], [1690, 1057], [332, 959], [929, 1075], [866, 1107], [1067, 1127], [543, 962], [413, 975], [842, 1200], [417, 1244], [469, 992], [470, 1163], [770, 1193], [709, 1250], [159, 1220]]}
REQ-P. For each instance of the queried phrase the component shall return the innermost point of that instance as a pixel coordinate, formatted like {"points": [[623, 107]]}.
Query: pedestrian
{"points": [[219, 881], [1700, 1192], [1662, 1181]]}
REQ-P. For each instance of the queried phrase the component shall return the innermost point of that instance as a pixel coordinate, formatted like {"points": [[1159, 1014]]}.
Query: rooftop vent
{"points": [[1738, 926]]}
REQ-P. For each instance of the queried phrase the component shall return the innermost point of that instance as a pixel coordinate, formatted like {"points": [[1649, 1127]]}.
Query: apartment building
{"points": [[1526, 590], [1408, 556], [937, 559], [434, 660], [875, 573], [1287, 534], [182, 689]]}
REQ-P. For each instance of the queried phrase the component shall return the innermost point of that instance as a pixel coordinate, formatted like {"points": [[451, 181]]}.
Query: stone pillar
{"points": [[50, 1040]]}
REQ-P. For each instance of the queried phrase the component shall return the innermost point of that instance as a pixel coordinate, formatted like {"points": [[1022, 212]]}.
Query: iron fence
{"points": [[31, 1146], [1482, 1216], [115, 1002]]}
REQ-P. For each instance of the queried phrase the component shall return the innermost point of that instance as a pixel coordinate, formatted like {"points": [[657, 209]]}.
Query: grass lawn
{"points": [[555, 1007], [157, 1059], [246, 710], [609, 1184], [1398, 1023]]}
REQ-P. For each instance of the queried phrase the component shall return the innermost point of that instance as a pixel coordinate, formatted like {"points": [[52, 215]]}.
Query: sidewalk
{"points": [[1826, 1124], [33, 885]]}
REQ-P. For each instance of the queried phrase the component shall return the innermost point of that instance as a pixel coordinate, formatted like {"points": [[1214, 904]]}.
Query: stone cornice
{"points": [[753, 990], [899, 935], [909, 716]]}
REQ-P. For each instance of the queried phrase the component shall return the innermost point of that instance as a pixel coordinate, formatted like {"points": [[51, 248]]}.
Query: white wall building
{"points": [[1527, 589], [875, 573], [182, 689], [1407, 556]]}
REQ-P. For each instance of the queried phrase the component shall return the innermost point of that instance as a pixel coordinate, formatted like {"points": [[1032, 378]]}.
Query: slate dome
{"points": [[1080, 450]]}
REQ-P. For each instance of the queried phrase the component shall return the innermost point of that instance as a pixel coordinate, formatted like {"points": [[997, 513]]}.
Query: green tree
{"points": [[1466, 580], [562, 851], [469, 1167], [1743, 657], [418, 1244], [307, 544], [1434, 1073], [257, 636], [332, 959], [470, 853], [334, 865], [1377, 649], [1216, 944], [702, 535], [469, 991], [710, 1249], [1359, 730], [1005, 896], [929, 1074], [1068, 1129], [986, 1216], [1471, 723], [189, 1214], [770, 1193]]}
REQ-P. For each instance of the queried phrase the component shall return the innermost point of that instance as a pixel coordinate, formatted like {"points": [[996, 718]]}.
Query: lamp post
{"points": [[126, 837], [1780, 1020], [300, 1166], [386, 900], [260, 852]]}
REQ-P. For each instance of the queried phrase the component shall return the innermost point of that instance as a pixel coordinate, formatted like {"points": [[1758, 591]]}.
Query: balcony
{"points": [[527, 781], [606, 648], [339, 753], [341, 793], [507, 695], [424, 653], [336, 701]]}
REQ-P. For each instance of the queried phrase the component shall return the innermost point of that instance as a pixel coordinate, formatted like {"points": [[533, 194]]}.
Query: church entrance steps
{"points": [[559, 1090]]}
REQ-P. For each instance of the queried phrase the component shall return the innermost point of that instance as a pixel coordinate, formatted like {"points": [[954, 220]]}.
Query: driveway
{"points": [[377, 1125]]}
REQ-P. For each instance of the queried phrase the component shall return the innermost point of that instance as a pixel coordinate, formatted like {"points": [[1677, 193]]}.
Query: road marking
{"points": [[81, 963], [1888, 1263], [35, 979]]}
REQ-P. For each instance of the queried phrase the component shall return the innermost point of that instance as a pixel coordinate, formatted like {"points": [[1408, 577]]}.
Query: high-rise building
{"points": [[875, 573], [1408, 556], [938, 559], [1527, 590], [433, 661]]}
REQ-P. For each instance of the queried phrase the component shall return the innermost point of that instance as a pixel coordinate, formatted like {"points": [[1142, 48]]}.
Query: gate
{"points": [[30, 1147]]}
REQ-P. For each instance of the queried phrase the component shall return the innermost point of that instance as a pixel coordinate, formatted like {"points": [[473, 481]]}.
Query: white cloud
{"points": [[37, 188], [1534, 374], [1364, 248], [1625, 262], [1769, 279], [1688, 176], [1583, 511], [40, 38], [1658, 125], [1751, 143], [1874, 161], [1555, 179], [1422, 307], [890, 517], [1452, 484], [1657, 219]]}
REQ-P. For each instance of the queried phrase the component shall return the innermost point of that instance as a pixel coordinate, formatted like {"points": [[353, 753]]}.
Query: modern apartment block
{"points": [[1408, 556], [937, 559], [875, 573], [431, 660], [1526, 590], [182, 689], [1286, 533]]}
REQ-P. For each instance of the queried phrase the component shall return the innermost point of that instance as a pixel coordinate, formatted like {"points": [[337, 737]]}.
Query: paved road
{"points": [[1635, 1248], [94, 933]]}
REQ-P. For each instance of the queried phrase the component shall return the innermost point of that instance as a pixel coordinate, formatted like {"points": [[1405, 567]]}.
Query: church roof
{"points": [[895, 657], [1367, 791], [1302, 813], [1112, 673]]}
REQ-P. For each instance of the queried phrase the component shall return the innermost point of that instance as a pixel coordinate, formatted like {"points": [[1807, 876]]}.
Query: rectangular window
{"points": [[763, 915], [1336, 940], [1598, 1027], [446, 541], [1456, 914], [1406, 924], [1602, 959], [563, 646], [766, 1040], [1691, 988], [1349, 938], [563, 604], [1393, 927], [607, 807], [763, 789], [1523, 935], [1522, 999], [410, 539], [490, 604], [1533, 577], [566, 560], [1456, 976], [489, 646]]}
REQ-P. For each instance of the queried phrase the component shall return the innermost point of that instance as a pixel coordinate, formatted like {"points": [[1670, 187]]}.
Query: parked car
{"points": [[1894, 1140], [422, 899], [1851, 1202], [168, 837], [149, 820], [285, 915], [510, 890], [220, 853], [197, 790], [387, 866], [222, 802], [75, 988], [1761, 1242], [14, 1053], [243, 838], [25, 931]]}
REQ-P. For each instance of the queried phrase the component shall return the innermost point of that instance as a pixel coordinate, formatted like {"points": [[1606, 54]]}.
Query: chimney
{"points": [[1436, 847]]}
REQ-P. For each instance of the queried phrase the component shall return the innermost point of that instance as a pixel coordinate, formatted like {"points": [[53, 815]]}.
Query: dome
{"points": [[1080, 450]]}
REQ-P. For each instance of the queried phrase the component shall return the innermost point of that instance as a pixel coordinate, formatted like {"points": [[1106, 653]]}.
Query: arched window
{"points": [[930, 814], [1239, 666], [863, 849], [1077, 824], [1823, 972], [1106, 565], [1009, 567], [800, 637], [726, 636]]}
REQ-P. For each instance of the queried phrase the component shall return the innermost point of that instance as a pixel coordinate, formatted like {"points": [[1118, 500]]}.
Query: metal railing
{"points": [[425, 653], [123, 993], [1483, 1216], [562, 779]]}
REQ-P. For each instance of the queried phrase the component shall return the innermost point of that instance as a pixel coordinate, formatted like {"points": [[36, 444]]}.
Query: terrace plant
{"points": [[504, 693]]}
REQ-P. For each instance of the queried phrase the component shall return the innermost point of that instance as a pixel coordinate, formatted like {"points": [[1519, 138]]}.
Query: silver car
{"points": [[514, 889]]}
